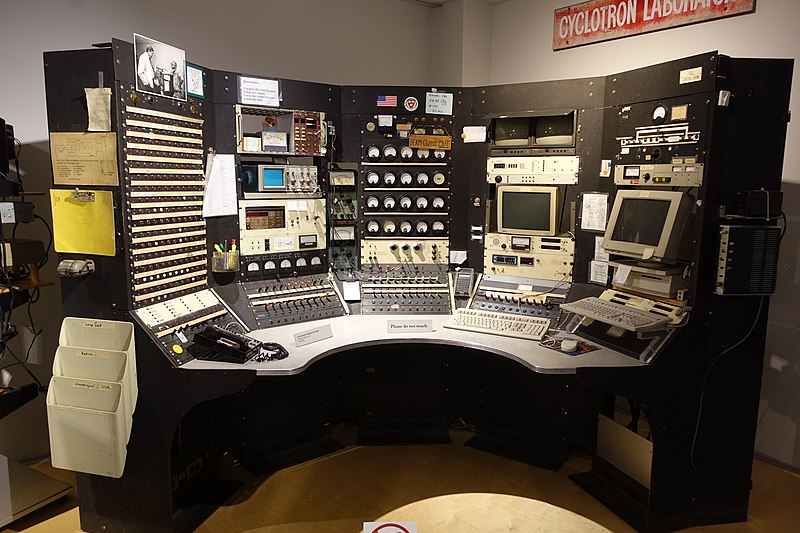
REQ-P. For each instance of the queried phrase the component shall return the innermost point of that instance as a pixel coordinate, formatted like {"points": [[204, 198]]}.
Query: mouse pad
{"points": [[583, 346]]}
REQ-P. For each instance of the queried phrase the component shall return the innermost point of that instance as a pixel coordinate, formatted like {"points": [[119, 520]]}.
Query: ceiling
{"points": [[440, 3]]}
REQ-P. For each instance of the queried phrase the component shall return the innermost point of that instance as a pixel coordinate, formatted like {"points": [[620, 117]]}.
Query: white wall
{"points": [[522, 32]]}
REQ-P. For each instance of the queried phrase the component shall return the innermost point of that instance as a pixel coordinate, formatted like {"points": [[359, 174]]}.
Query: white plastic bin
{"points": [[98, 364], [105, 335], [87, 426]]}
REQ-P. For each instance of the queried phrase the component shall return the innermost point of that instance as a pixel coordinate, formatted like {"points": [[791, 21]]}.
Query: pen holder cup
{"points": [[225, 261]]}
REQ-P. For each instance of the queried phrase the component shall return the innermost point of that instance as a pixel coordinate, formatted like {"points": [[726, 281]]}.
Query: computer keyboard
{"points": [[507, 325], [615, 314]]}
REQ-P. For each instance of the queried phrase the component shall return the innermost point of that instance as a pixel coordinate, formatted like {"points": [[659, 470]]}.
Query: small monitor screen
{"points": [[554, 130], [641, 221], [512, 131], [526, 211], [272, 178]]}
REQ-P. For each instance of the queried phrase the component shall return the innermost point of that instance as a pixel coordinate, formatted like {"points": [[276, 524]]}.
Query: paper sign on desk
{"points": [[83, 222], [311, 336], [406, 326]]}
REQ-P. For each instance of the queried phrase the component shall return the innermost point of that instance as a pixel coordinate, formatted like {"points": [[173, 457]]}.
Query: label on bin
{"points": [[91, 385], [89, 353], [97, 324]]}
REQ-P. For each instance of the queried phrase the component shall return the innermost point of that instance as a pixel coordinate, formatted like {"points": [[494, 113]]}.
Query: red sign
{"points": [[602, 20]]}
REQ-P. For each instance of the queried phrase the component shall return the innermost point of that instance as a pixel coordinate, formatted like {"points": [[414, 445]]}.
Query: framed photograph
{"points": [[160, 68], [194, 81]]}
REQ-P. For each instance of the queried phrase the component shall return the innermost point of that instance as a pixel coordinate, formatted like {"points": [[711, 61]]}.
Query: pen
{"points": [[233, 245], [218, 248]]}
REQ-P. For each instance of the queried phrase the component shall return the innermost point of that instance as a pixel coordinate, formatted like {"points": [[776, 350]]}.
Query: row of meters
{"points": [[375, 227], [405, 203], [390, 152], [390, 178]]}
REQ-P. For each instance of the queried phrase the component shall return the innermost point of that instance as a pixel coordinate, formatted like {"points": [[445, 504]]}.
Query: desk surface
{"points": [[357, 331]]}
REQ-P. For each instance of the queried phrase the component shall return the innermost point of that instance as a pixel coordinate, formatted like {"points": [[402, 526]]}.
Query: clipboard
{"points": [[83, 222]]}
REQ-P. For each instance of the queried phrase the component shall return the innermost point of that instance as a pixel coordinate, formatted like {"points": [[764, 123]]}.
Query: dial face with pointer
{"points": [[389, 179], [389, 152], [406, 178], [422, 202], [439, 154], [405, 202], [373, 178], [406, 152], [373, 202], [373, 152], [438, 179], [659, 113], [437, 226], [389, 202], [423, 153], [437, 202], [373, 227], [389, 227], [422, 178], [422, 227], [405, 227]]}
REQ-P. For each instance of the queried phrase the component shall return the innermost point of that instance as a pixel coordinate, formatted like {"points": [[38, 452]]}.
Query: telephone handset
{"points": [[462, 285]]}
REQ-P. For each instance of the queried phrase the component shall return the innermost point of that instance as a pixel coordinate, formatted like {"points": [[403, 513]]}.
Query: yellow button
{"points": [[177, 348]]}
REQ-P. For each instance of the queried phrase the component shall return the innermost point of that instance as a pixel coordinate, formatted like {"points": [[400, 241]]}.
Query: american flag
{"points": [[387, 100]]}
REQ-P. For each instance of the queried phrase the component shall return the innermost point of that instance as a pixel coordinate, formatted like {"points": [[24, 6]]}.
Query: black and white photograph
{"points": [[160, 68]]}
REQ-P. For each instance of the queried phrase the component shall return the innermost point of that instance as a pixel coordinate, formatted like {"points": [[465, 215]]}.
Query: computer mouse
{"points": [[569, 345]]}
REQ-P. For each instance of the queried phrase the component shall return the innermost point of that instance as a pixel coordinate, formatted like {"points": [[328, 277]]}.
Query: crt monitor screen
{"points": [[554, 130], [511, 131], [272, 178], [527, 210], [648, 225]]}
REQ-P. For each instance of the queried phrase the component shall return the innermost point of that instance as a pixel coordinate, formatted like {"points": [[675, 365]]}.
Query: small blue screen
{"points": [[272, 177]]}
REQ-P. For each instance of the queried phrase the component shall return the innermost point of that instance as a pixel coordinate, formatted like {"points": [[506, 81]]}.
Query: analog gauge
{"points": [[286, 264], [405, 202], [269, 265], [437, 226], [422, 227], [406, 178], [422, 178], [422, 202], [659, 113], [253, 267], [389, 202], [370, 126], [373, 152], [438, 178], [389, 152], [406, 152], [439, 154], [405, 227], [423, 153], [389, 227], [373, 202], [437, 202], [301, 262], [316, 261], [373, 178], [389, 178], [373, 227]]}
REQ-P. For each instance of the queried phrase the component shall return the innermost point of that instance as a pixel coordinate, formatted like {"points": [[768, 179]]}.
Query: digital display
{"points": [[265, 218], [641, 221], [527, 211], [272, 178]]}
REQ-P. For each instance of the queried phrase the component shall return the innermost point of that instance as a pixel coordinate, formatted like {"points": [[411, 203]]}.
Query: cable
{"points": [[708, 372]]}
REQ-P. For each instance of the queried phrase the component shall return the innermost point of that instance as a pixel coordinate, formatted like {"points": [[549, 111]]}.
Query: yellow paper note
{"points": [[84, 158], [83, 222]]}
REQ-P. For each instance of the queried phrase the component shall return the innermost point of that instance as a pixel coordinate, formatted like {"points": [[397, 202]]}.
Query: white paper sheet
{"points": [[219, 198]]}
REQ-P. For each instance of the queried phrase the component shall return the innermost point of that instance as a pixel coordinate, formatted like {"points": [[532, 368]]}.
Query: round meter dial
{"points": [[437, 202], [405, 202], [422, 227], [373, 178], [437, 226], [301, 262], [373, 202], [389, 152], [373, 152], [406, 178], [422, 178], [423, 153], [439, 179], [389, 202], [389, 178], [422, 202], [373, 228], [389, 227], [439, 154], [406, 152], [405, 227]]}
